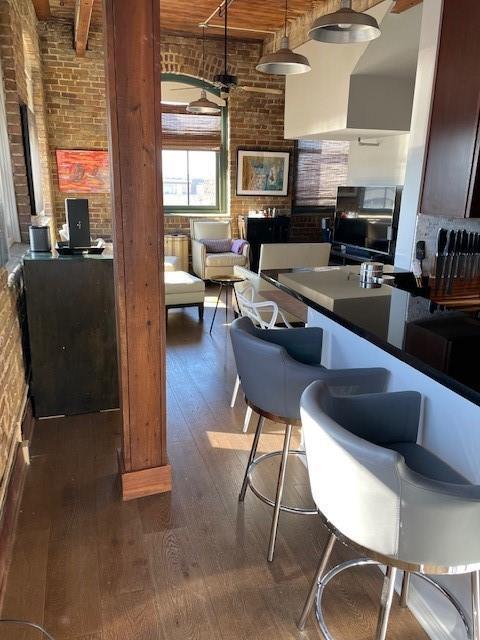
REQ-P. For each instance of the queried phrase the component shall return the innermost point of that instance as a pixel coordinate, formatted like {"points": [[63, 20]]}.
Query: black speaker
{"points": [[78, 221]]}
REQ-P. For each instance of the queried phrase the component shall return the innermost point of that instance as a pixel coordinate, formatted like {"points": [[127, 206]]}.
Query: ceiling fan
{"points": [[227, 82]]}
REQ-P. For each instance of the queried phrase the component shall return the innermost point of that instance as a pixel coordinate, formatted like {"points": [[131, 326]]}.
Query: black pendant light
{"points": [[345, 26], [203, 104], [225, 80], [284, 62]]}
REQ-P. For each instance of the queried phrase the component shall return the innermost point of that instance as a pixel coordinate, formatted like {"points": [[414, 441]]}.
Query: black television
{"points": [[366, 219]]}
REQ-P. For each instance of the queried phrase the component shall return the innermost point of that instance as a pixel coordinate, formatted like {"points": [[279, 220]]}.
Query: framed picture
{"points": [[83, 171], [262, 173]]}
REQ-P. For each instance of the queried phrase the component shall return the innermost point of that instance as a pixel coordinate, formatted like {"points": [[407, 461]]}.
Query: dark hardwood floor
{"points": [[190, 565]]}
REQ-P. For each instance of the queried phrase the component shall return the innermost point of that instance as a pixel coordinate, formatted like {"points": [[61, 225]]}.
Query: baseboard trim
{"points": [[145, 482]]}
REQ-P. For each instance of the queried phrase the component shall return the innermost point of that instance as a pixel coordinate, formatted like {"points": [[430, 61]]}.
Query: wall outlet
{"points": [[420, 250]]}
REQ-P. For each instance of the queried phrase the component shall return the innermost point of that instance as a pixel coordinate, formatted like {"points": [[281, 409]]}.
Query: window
{"points": [[321, 166], [189, 178], [193, 160]]}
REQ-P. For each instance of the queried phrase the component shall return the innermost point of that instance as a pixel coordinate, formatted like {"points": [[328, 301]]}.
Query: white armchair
{"points": [[208, 265]]}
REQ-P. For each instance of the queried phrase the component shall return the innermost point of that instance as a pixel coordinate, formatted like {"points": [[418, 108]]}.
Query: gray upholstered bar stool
{"points": [[384, 495], [275, 366]]}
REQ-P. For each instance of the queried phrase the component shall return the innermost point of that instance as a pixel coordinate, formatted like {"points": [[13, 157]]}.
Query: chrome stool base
{"points": [[254, 461], [261, 496], [387, 595]]}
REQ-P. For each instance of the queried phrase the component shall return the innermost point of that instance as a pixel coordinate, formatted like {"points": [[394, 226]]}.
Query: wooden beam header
{"points": [[83, 16], [42, 9], [403, 5]]}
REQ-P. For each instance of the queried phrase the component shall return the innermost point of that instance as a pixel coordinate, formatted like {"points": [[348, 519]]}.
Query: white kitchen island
{"points": [[373, 328]]}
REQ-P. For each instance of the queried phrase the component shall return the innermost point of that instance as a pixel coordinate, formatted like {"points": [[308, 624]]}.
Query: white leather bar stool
{"points": [[275, 366], [413, 512]]}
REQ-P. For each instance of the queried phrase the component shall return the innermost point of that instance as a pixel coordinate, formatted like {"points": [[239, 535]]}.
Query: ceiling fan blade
{"points": [[274, 92]]}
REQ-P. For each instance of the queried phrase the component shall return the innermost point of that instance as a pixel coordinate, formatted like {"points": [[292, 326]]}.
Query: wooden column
{"points": [[132, 31]]}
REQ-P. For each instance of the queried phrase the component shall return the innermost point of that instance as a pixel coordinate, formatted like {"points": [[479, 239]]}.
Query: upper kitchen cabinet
{"points": [[452, 174]]}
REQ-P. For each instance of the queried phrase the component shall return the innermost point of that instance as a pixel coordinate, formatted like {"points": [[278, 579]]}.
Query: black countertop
{"points": [[442, 344]]}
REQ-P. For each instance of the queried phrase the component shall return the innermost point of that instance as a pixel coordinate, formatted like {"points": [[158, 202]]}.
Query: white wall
{"points": [[382, 165], [429, 38], [317, 102]]}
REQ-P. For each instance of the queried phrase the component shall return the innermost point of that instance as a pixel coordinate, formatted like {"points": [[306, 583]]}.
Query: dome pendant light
{"points": [[345, 26], [203, 104], [284, 62]]}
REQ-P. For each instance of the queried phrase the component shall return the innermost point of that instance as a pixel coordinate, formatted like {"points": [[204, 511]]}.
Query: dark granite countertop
{"points": [[53, 255], [442, 344]]}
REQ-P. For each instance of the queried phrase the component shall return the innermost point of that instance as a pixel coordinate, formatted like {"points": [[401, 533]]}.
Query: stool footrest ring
{"points": [[349, 564], [261, 496]]}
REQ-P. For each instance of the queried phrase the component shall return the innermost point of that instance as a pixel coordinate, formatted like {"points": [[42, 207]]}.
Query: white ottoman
{"points": [[171, 263], [184, 290]]}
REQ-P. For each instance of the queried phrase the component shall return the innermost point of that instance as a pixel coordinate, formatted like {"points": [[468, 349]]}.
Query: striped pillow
{"points": [[218, 246]]}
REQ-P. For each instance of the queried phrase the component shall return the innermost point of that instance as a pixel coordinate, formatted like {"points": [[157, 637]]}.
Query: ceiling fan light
{"points": [[345, 26], [203, 105], [284, 62]]}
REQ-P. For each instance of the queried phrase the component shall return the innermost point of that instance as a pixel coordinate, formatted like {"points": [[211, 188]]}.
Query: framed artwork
{"points": [[262, 173], [83, 171]]}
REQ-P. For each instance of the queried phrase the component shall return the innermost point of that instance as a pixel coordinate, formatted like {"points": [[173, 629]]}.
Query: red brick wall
{"points": [[12, 374], [306, 228], [22, 75], [255, 120], [76, 110]]}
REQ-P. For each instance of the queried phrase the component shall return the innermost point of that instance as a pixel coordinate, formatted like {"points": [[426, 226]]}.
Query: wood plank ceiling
{"points": [[247, 18], [255, 19]]}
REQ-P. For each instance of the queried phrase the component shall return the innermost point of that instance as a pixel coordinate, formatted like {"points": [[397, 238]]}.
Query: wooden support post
{"points": [[83, 17], [133, 85]]}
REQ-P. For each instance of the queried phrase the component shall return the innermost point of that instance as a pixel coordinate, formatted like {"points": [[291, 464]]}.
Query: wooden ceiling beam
{"points": [[83, 16], [42, 9], [403, 5]]}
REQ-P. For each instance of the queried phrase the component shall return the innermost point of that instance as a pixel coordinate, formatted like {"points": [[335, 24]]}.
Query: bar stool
{"points": [[412, 511], [265, 315], [275, 366]]}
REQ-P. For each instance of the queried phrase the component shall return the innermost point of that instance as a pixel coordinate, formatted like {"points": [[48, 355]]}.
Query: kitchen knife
{"points": [[470, 255], [440, 256], [457, 253], [464, 255], [476, 251], [449, 260]]}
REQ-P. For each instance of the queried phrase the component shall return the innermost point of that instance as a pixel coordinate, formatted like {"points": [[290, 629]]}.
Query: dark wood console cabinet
{"points": [[71, 325], [260, 231], [451, 185]]}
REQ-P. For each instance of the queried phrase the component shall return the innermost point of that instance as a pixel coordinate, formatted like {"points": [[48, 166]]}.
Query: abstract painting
{"points": [[262, 173], [83, 171]]}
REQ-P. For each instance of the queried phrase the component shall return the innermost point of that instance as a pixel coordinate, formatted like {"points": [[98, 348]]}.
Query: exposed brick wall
{"points": [[255, 119], [22, 74], [76, 110], [306, 227], [12, 376]]}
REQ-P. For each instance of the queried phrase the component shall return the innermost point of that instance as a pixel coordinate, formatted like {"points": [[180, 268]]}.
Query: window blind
{"points": [[183, 130], [322, 165]]}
